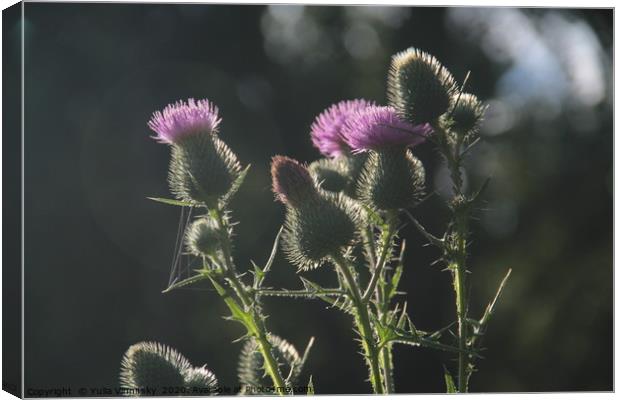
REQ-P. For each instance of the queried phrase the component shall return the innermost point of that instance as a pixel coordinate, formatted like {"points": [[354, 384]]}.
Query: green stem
{"points": [[461, 310], [386, 367], [461, 300], [369, 244], [271, 365], [458, 267], [362, 321], [385, 250], [253, 321], [383, 301]]}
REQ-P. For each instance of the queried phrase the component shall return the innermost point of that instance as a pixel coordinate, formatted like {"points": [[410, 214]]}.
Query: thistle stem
{"points": [[460, 217], [385, 249], [386, 367], [386, 352], [253, 320], [362, 320], [369, 244], [461, 301], [459, 289]]}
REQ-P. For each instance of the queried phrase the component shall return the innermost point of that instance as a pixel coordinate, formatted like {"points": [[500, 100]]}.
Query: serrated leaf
{"points": [[235, 185], [237, 313], [274, 250], [491, 307], [259, 275], [172, 202], [311, 286], [393, 285], [308, 294], [185, 282]]}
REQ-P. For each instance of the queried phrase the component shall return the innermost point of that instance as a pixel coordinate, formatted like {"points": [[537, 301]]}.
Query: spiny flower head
{"points": [[318, 223], [392, 179], [377, 128], [419, 87], [319, 228], [326, 131], [202, 167], [201, 378], [203, 237], [152, 364], [183, 119], [291, 181], [251, 367], [331, 174], [467, 114]]}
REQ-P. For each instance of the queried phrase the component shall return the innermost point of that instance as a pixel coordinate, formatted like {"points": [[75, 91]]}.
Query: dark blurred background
{"points": [[98, 253]]}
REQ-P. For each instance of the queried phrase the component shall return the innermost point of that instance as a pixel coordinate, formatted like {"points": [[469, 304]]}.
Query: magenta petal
{"points": [[380, 127], [182, 119], [326, 131]]}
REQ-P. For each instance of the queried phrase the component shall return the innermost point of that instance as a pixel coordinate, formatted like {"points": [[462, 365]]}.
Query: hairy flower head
{"points": [[392, 179], [380, 127], [202, 167], [183, 119], [467, 115], [203, 237], [326, 131], [251, 367], [320, 227], [152, 364], [419, 87], [291, 181]]}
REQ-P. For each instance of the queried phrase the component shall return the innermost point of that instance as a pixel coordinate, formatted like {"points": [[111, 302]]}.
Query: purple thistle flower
{"points": [[182, 119], [379, 127], [326, 130]]}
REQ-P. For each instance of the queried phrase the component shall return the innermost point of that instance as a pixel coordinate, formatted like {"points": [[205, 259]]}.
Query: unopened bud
{"points": [[203, 237], [419, 87]]}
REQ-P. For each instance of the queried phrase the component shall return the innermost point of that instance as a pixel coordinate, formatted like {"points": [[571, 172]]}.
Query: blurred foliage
{"points": [[98, 253]]}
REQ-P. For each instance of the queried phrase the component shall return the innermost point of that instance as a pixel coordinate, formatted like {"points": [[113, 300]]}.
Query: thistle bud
{"points": [[203, 237], [201, 378], [467, 115], [339, 174], [331, 174], [392, 179], [419, 87], [202, 167], [291, 181], [154, 365], [318, 223], [319, 228], [251, 363], [151, 364]]}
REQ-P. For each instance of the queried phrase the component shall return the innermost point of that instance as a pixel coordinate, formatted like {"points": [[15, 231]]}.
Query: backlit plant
{"points": [[343, 212]]}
